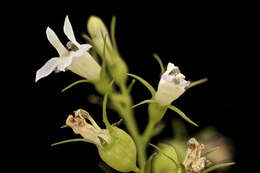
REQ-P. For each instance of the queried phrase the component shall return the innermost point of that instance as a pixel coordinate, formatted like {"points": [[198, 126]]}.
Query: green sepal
{"points": [[130, 86], [209, 151], [148, 164], [102, 141], [87, 38], [158, 129], [179, 155], [64, 126], [113, 31], [71, 140], [182, 168], [160, 151], [143, 102], [221, 165], [105, 168], [195, 83], [75, 83], [177, 110], [158, 59], [105, 120], [144, 82], [90, 41]]}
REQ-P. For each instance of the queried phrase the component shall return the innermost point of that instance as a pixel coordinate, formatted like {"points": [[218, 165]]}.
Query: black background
{"points": [[205, 39]]}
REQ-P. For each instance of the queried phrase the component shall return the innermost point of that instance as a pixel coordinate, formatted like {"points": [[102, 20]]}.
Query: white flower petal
{"points": [[47, 68], [69, 31], [54, 40], [64, 62], [171, 86], [82, 49], [86, 67]]}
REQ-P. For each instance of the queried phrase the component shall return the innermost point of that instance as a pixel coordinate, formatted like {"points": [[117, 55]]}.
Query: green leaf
{"points": [[221, 165], [148, 164], [144, 82], [75, 83], [177, 110], [143, 102], [160, 62], [113, 31], [195, 83], [209, 151], [160, 151], [70, 140]]}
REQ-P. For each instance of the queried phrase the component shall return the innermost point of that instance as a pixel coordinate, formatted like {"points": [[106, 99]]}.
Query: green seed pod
{"points": [[162, 164], [120, 152], [115, 147]]}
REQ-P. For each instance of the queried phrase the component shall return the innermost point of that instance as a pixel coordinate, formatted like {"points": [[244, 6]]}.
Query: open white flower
{"points": [[171, 86], [75, 57], [90, 132]]}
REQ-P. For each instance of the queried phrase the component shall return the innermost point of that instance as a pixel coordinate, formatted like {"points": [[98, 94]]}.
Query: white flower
{"points": [[91, 132], [171, 86], [75, 57]]}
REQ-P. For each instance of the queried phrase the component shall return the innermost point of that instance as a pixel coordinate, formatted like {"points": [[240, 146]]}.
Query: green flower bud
{"points": [[115, 147], [162, 164], [118, 70], [98, 32]]}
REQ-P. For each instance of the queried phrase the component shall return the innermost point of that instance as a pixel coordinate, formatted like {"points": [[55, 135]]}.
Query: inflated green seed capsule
{"points": [[116, 148], [120, 153], [162, 164]]}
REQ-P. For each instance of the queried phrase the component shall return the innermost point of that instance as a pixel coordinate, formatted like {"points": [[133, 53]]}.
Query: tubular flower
{"points": [[91, 132], [193, 162], [75, 57], [171, 86]]}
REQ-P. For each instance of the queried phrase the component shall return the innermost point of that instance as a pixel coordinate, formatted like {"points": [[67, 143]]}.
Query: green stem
{"points": [[131, 125], [148, 132]]}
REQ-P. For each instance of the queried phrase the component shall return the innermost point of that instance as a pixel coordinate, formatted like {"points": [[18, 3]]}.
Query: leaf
{"points": [[148, 164], [143, 102], [144, 82], [177, 110], [70, 140], [195, 83], [221, 165], [75, 83], [209, 151], [160, 62], [160, 151]]}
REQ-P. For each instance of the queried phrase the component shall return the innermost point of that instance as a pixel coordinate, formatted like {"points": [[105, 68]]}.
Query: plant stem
{"points": [[126, 112], [148, 132]]}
